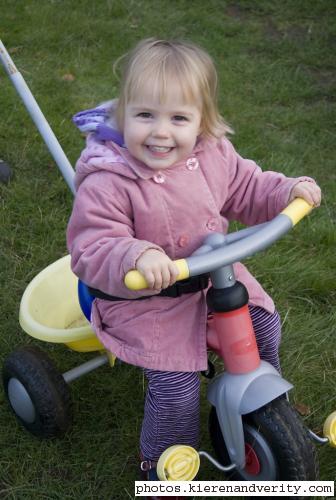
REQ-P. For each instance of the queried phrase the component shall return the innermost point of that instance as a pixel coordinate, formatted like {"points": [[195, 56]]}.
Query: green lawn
{"points": [[276, 62]]}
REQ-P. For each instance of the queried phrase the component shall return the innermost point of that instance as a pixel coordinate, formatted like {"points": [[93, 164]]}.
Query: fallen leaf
{"points": [[68, 77], [13, 50], [302, 409]]}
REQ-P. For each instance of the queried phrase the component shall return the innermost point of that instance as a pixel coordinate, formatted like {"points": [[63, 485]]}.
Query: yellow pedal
{"points": [[178, 463], [329, 429]]}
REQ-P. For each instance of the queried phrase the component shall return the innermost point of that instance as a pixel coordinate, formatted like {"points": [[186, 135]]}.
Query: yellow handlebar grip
{"points": [[135, 280], [297, 209]]}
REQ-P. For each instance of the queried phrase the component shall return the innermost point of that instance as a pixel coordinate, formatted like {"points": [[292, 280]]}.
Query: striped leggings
{"points": [[171, 414]]}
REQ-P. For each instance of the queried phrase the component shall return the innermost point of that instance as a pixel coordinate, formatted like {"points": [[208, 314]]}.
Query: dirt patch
{"points": [[298, 33], [324, 81], [293, 32], [237, 12], [324, 77], [271, 30]]}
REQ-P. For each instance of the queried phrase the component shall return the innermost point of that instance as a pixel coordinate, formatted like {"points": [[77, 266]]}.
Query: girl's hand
{"points": [[157, 268], [307, 190]]}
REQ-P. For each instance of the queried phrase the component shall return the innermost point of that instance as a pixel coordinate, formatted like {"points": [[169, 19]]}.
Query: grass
{"points": [[276, 66]]}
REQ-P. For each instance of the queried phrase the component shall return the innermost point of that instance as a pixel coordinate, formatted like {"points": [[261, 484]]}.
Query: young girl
{"points": [[174, 179]]}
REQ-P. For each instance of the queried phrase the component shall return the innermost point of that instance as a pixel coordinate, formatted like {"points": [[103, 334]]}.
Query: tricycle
{"points": [[255, 432]]}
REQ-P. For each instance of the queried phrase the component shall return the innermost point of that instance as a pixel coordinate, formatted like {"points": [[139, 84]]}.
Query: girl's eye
{"points": [[144, 114], [180, 118]]}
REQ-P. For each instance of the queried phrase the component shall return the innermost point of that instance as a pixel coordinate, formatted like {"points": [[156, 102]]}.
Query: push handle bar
{"points": [[38, 118], [234, 247]]}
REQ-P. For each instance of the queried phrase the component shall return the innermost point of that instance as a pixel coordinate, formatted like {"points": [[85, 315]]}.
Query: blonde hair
{"points": [[159, 62]]}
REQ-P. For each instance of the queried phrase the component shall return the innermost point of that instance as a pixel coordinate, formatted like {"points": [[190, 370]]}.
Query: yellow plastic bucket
{"points": [[50, 310]]}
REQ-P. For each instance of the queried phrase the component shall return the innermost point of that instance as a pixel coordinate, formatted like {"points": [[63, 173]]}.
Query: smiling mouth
{"points": [[159, 149]]}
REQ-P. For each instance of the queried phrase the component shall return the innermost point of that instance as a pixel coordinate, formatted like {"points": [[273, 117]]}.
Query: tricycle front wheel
{"points": [[277, 445], [37, 392]]}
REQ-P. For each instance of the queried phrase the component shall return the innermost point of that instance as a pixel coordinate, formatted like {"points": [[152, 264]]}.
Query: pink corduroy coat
{"points": [[123, 208]]}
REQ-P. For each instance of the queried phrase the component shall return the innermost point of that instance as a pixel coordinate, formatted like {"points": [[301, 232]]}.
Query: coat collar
{"points": [[141, 169]]}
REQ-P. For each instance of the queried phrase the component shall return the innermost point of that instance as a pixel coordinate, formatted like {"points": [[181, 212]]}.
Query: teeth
{"points": [[159, 149]]}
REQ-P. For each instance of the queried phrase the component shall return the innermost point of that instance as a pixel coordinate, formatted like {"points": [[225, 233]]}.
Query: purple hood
{"points": [[101, 122]]}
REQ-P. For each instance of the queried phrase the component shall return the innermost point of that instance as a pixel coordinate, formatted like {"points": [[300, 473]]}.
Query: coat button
{"points": [[192, 163], [211, 224], [159, 178], [183, 240]]}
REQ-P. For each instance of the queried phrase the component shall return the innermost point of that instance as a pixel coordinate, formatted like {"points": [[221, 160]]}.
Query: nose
{"points": [[161, 129]]}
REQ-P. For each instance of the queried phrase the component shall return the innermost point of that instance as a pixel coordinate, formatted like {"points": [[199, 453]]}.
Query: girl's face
{"points": [[161, 134]]}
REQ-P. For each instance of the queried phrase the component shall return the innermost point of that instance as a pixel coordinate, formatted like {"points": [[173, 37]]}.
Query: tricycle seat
{"points": [[50, 309]]}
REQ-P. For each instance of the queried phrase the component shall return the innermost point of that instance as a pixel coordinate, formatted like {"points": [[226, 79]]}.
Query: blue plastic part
{"points": [[85, 299]]}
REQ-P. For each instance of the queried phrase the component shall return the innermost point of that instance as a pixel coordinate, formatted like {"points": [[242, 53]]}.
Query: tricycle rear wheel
{"points": [[277, 445], [37, 392]]}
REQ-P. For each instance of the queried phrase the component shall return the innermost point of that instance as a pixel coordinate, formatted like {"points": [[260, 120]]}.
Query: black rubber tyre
{"points": [[29, 372], [278, 439]]}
